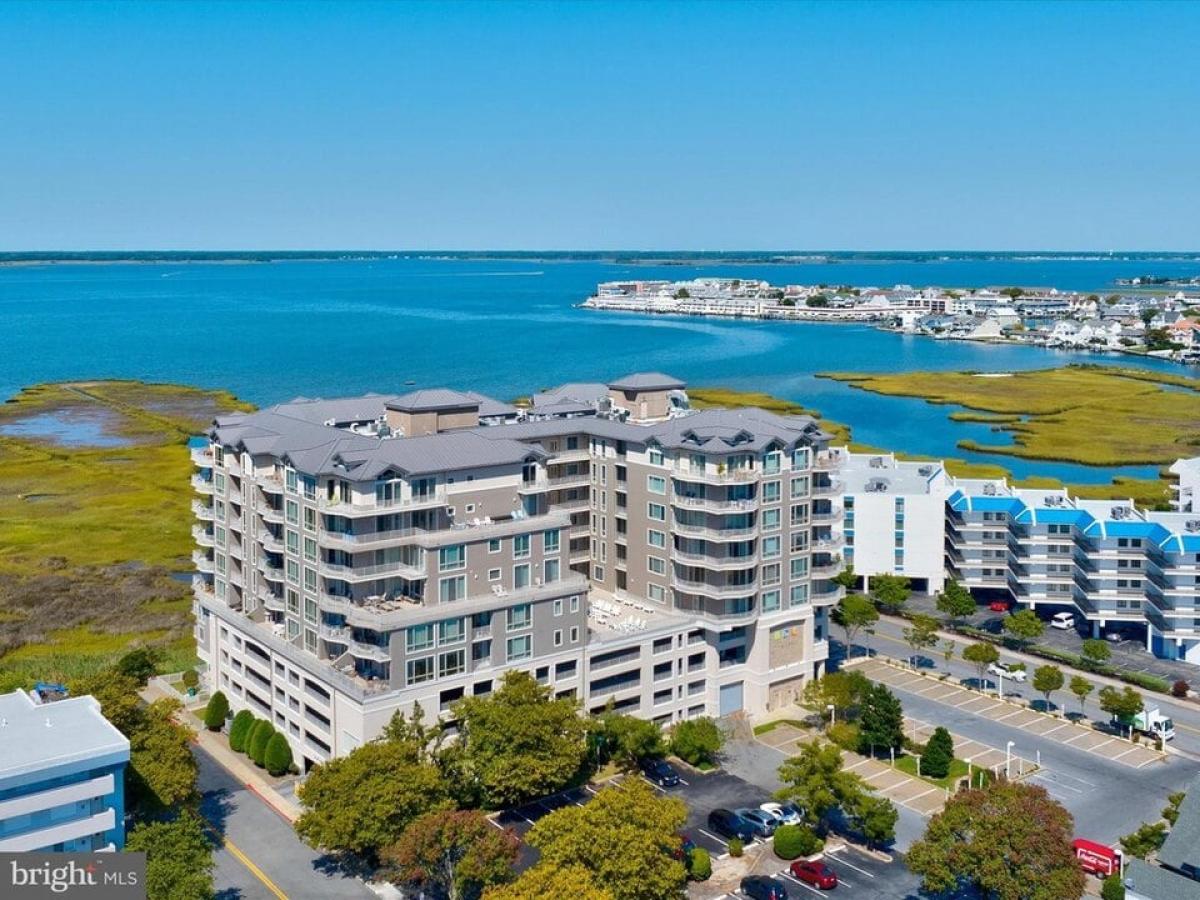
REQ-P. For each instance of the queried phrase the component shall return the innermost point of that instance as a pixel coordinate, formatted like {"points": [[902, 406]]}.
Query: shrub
{"points": [[700, 865], [939, 753], [1146, 682], [139, 664], [844, 735], [277, 757], [1112, 888], [191, 678], [1180, 688], [239, 730], [256, 746], [216, 711], [792, 841], [735, 847], [696, 741]]}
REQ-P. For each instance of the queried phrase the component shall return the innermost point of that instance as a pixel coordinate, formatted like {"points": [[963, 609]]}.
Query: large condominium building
{"points": [[1108, 560], [1185, 485], [62, 776], [358, 556]]}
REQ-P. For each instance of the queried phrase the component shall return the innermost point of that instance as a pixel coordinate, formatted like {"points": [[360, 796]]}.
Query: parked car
{"points": [[729, 824], [784, 813], [763, 823], [762, 887], [660, 772], [816, 873], [1063, 621], [998, 606], [999, 669]]}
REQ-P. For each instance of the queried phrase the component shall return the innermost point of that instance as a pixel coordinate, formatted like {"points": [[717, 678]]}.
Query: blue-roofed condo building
{"points": [[62, 776], [1105, 560]]}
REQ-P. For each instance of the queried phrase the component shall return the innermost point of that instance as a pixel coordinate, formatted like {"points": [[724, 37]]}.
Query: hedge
{"points": [[216, 711], [700, 865], [278, 755], [239, 731], [256, 747], [792, 841]]}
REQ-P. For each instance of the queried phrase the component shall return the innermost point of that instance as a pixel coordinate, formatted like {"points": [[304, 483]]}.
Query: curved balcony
{"points": [[826, 592], [269, 570], [711, 475], [369, 573], [334, 604], [202, 457], [718, 563], [343, 541], [203, 511], [826, 462], [826, 516], [827, 569], [202, 485], [835, 487], [202, 562], [725, 618], [270, 543], [270, 515], [271, 601], [337, 633], [708, 504], [720, 591], [269, 484], [372, 506], [202, 536], [202, 588], [363, 650], [714, 534], [833, 542]]}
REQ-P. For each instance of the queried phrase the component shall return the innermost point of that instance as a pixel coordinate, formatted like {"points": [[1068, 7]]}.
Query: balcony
{"points": [[574, 503], [714, 534], [833, 488], [270, 543], [834, 542], [202, 485], [202, 457], [203, 511], [271, 601], [334, 603], [719, 563], [716, 475], [350, 541], [271, 515], [270, 570], [364, 650], [826, 516], [369, 573], [712, 505], [827, 569], [364, 506], [202, 562], [202, 536], [270, 484], [579, 479], [337, 633], [713, 590], [826, 592], [202, 588], [826, 462]]}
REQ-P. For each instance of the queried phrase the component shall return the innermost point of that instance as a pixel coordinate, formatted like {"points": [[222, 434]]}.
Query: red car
{"points": [[998, 606], [815, 873]]}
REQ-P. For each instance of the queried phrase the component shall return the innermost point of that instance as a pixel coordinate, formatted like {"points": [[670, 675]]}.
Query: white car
{"points": [[999, 669], [1063, 621], [783, 813]]}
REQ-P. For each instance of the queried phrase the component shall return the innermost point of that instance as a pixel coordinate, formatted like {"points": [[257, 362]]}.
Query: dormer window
{"points": [[656, 456]]}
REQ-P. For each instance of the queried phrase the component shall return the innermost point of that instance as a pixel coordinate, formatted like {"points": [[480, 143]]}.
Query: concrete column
{"points": [[1096, 628]]}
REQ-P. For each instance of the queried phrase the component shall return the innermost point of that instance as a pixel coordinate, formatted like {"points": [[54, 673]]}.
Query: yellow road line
{"points": [[248, 863]]}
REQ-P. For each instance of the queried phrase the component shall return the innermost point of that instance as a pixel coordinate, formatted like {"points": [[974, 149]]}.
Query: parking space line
{"points": [[793, 879], [1015, 712], [842, 862], [1126, 753], [715, 838], [1058, 727]]}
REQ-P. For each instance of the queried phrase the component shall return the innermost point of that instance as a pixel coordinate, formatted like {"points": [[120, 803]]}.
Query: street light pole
{"points": [[1001, 688], [1008, 759], [832, 714]]}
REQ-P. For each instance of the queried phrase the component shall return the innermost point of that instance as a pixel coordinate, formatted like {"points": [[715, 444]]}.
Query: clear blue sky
{"points": [[600, 125]]}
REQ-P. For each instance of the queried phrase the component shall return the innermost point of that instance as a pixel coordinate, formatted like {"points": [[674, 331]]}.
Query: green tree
{"points": [[239, 730], [697, 741], [948, 651], [1171, 810], [846, 579], [277, 755], [1046, 680], [881, 721], [544, 881], [362, 802], [1024, 625], [938, 754], [792, 841], [1007, 841], [890, 591], [699, 865], [955, 602], [1096, 651], [179, 861], [626, 835], [256, 746], [118, 698], [815, 780], [425, 740], [874, 818], [162, 769], [139, 664], [452, 854], [628, 738], [1122, 704], [1081, 687], [817, 300], [844, 691], [981, 655], [922, 635], [1146, 840], [519, 743], [854, 613], [216, 711], [1112, 888], [191, 679]]}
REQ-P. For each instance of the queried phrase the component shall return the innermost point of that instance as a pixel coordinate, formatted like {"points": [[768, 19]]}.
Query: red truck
{"points": [[1097, 859]]}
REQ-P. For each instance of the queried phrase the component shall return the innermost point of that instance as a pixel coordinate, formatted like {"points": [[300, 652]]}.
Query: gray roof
{"points": [[489, 406], [1156, 883], [647, 381], [366, 408], [38, 737], [580, 391], [1182, 846], [562, 408], [432, 399]]}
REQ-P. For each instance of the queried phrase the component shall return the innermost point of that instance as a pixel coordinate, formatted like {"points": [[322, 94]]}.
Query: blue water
{"points": [[270, 332]]}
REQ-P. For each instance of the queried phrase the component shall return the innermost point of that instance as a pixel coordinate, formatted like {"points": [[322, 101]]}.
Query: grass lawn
{"points": [[768, 727], [958, 769]]}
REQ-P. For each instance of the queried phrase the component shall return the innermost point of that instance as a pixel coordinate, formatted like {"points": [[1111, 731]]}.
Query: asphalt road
{"points": [[260, 857]]}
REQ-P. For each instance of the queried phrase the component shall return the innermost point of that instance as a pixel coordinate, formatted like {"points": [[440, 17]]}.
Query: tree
{"points": [[844, 690], [922, 635], [627, 836], [362, 802], [1171, 810], [1122, 704], [846, 579], [424, 740], [216, 711], [792, 841], [948, 651], [1024, 625], [452, 854], [118, 698], [697, 741], [239, 730], [955, 601], [256, 745], [191, 679], [938, 754], [1081, 687], [890, 591], [1146, 840], [1096, 651], [162, 768], [700, 865], [815, 781], [873, 817], [982, 655], [519, 743], [277, 756], [854, 613], [179, 861], [628, 738], [817, 300], [1112, 888], [542, 881], [139, 664], [1009, 840], [1046, 680], [881, 721]]}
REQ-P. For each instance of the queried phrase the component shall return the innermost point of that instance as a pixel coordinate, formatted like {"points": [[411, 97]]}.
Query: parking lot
{"points": [[1062, 730], [859, 875]]}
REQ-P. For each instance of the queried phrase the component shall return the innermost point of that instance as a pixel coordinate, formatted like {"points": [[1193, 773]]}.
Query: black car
{"points": [[660, 772], [729, 824], [761, 887]]}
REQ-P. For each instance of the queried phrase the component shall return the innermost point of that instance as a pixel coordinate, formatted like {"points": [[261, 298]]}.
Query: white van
{"points": [[1064, 621]]}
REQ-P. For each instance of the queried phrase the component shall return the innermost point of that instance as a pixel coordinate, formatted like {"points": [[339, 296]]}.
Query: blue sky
{"points": [[600, 125]]}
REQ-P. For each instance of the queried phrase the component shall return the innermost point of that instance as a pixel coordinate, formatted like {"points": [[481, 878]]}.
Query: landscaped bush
{"points": [[216, 711], [844, 735], [256, 747], [1146, 682], [696, 741], [1180, 688], [278, 755], [735, 847], [191, 679], [239, 730], [699, 865], [792, 841], [939, 753], [1112, 888]]}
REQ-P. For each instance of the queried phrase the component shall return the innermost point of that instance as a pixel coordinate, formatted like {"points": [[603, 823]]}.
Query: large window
{"points": [[520, 546], [451, 631], [656, 511], [551, 569], [656, 484], [521, 576], [520, 616], [656, 456], [551, 541], [419, 670], [520, 648], [452, 558], [451, 589], [452, 663], [418, 637], [656, 564], [656, 538]]}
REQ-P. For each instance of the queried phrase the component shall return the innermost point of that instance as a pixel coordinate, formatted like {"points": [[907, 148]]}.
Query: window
{"points": [[452, 589], [771, 492], [656, 564], [451, 631], [772, 462], [598, 573], [551, 541], [310, 579], [558, 606], [770, 519], [656, 538], [800, 486], [574, 634], [293, 601], [770, 601], [520, 648], [418, 637], [520, 546], [656, 484], [494, 545], [293, 570], [771, 547], [292, 512], [550, 569], [656, 511], [310, 609], [493, 574], [310, 549], [656, 456], [518, 616], [656, 593], [557, 637], [310, 519], [521, 576], [481, 620], [800, 458], [799, 594], [289, 480], [293, 541], [419, 670], [799, 568], [452, 558], [481, 652], [452, 663], [575, 604]]}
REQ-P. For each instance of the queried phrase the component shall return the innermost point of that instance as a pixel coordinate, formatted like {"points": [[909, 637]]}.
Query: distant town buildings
{"points": [[62, 775]]}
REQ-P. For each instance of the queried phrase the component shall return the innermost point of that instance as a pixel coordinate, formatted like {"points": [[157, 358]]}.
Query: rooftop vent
{"points": [[1119, 512], [877, 486], [876, 462], [989, 490], [925, 471], [1053, 500], [1192, 525]]}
